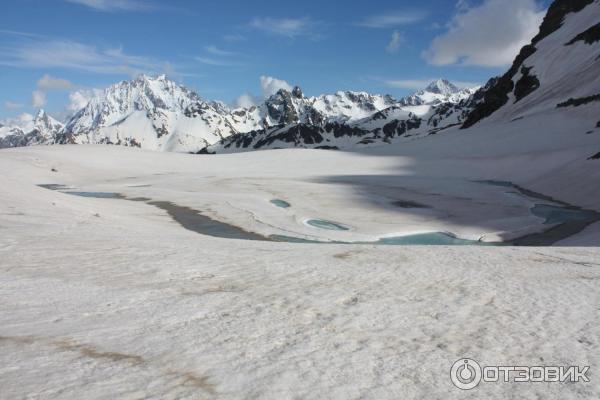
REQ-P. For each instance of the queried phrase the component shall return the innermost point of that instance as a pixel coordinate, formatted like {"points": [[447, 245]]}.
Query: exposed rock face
{"points": [[527, 84], [580, 101], [554, 64], [42, 130], [347, 119], [588, 36], [154, 113], [281, 108], [520, 80], [381, 127], [556, 14], [437, 92]]}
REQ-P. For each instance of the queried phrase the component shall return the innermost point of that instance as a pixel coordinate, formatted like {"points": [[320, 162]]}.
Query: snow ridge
{"points": [[156, 113]]}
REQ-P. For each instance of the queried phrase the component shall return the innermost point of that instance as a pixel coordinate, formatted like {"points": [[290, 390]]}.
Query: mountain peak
{"points": [[40, 114], [442, 86], [143, 78], [297, 92]]}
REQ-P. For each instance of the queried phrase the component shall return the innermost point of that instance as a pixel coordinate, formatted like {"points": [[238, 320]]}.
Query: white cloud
{"points": [[462, 5], [395, 42], [58, 53], [115, 5], [393, 19], [218, 57], [23, 121], [245, 101], [489, 35], [270, 85], [25, 118], [19, 33], [214, 50], [80, 98], [9, 105], [288, 27], [38, 98], [216, 62], [47, 83]]}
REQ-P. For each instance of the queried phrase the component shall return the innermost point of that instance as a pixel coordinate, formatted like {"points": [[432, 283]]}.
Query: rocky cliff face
{"points": [[41, 130], [558, 62], [153, 113], [349, 119], [440, 91], [156, 113]]}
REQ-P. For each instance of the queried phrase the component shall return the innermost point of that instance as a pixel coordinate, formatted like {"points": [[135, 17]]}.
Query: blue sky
{"points": [[52, 51]]}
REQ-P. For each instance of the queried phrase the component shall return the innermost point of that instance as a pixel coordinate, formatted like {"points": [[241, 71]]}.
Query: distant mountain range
{"points": [[349, 119], [558, 69], [43, 129], [156, 113]]}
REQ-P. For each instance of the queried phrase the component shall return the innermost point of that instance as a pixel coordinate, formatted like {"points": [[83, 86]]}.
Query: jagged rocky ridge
{"points": [[155, 113], [558, 57], [41, 130], [557, 71], [438, 106]]}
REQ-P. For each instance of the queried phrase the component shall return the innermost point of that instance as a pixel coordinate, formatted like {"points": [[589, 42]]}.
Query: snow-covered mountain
{"points": [[291, 107], [349, 119], [154, 113], [158, 114], [437, 92], [558, 69], [26, 132]]}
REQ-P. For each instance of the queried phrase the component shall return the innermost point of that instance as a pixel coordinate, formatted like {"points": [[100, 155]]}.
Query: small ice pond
{"points": [[560, 215], [97, 195], [566, 220], [329, 225], [281, 203]]}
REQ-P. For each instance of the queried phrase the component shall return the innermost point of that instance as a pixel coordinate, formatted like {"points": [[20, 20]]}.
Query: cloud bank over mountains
{"points": [[489, 35]]}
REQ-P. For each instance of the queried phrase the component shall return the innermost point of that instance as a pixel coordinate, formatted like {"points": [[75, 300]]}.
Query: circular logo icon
{"points": [[465, 374]]}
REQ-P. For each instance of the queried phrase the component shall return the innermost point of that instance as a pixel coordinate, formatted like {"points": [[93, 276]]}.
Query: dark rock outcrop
{"points": [[526, 85], [579, 101], [588, 36], [497, 90], [556, 14]]}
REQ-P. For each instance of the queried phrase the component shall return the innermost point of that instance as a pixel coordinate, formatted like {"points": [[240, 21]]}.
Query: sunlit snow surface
{"points": [[107, 298], [102, 298]]}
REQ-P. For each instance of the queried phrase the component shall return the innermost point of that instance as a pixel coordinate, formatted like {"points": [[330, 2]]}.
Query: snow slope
{"points": [[110, 298], [154, 113], [559, 69], [42, 129], [158, 114], [437, 92], [350, 119], [555, 67]]}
